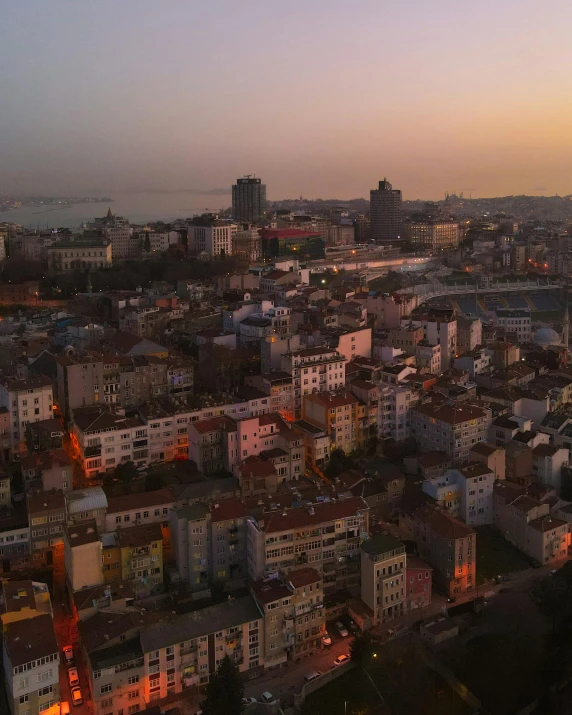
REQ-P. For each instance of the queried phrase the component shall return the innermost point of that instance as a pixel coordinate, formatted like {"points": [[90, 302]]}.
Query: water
{"points": [[138, 208]]}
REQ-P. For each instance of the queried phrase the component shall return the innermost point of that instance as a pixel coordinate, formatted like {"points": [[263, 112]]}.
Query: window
{"points": [[106, 703], [133, 679], [132, 694], [105, 689]]}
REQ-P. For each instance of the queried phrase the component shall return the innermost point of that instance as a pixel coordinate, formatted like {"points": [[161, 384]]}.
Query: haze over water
{"points": [[137, 207]]}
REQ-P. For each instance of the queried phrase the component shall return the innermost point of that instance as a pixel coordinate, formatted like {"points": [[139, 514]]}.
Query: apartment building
{"points": [[104, 438], [547, 463], [314, 370], [383, 564], [469, 334], [476, 362], [428, 358], [273, 596], [516, 321], [418, 575], [340, 415], [15, 539], [316, 442], [493, 457], [44, 435], [466, 492], [308, 612], [450, 428], [405, 337], [80, 381], [185, 651], [389, 310], [141, 558], [395, 403], [82, 556], [324, 536], [448, 545], [47, 471], [212, 236], [279, 386], [31, 661], [439, 328], [26, 400], [141, 508], [47, 517]]}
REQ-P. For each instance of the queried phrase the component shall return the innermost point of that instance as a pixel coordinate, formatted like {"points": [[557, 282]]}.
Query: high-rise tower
{"points": [[248, 200], [385, 213]]}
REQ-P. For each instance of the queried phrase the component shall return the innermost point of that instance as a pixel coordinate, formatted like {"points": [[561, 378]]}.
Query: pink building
{"points": [[418, 583]]}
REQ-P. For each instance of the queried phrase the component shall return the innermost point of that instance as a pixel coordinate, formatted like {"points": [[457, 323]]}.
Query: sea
{"points": [[136, 207]]}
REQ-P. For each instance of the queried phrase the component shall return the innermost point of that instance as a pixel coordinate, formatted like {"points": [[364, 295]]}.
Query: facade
{"points": [[418, 577], [246, 243], [547, 463], [439, 328], [212, 236], [82, 556], [395, 403], [469, 334], [141, 557], [31, 666], [449, 546], [47, 517], [69, 255], [385, 213], [80, 382], [453, 429], [47, 470], [325, 536], [26, 400], [340, 415], [434, 234], [249, 200], [515, 320], [314, 370], [383, 564]]}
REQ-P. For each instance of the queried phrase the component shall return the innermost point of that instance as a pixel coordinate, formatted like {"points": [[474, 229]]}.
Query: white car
{"points": [[267, 697], [77, 696], [249, 701], [327, 639], [73, 677], [68, 654], [342, 630], [341, 659]]}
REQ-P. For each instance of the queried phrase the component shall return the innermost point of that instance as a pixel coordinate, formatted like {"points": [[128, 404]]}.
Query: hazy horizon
{"points": [[318, 98]]}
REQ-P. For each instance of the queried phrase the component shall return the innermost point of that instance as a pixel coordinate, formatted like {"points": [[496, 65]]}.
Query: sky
{"points": [[321, 98]]}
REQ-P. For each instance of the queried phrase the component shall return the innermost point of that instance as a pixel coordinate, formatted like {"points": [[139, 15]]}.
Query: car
{"points": [[341, 659], [77, 696], [68, 654], [553, 572], [267, 697], [64, 708], [342, 630], [312, 676], [249, 701], [327, 639], [73, 677]]}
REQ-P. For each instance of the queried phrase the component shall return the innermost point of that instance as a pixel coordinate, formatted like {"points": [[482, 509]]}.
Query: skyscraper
{"points": [[248, 200], [385, 213]]}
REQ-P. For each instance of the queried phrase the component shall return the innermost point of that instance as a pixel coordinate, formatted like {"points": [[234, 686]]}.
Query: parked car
{"points": [[73, 677], [267, 697], [341, 659], [64, 708], [342, 630], [312, 676], [68, 654], [327, 639], [249, 701], [77, 696]]}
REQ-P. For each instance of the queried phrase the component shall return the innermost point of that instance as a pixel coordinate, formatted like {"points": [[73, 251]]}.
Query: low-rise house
{"points": [[418, 576], [48, 470]]}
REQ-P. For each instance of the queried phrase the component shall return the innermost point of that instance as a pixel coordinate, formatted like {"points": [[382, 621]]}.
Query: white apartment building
{"points": [[314, 370], [31, 665], [325, 536], [467, 492], [450, 428], [395, 403], [475, 362], [26, 400], [215, 239], [514, 320], [438, 330], [233, 317], [428, 358], [153, 242], [122, 243]]}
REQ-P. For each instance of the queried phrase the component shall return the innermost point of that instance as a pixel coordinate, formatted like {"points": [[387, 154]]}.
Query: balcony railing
{"points": [[93, 451]]}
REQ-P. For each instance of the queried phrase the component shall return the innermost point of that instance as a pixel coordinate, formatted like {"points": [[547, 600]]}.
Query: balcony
{"points": [[189, 649], [92, 451], [233, 542], [233, 530]]}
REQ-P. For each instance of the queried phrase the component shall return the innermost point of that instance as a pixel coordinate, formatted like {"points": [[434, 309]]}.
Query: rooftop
{"points": [[382, 544], [82, 534], [312, 515], [303, 577], [30, 639]]}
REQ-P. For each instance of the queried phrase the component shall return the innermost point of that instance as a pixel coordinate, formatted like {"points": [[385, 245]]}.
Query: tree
{"points": [[225, 691], [361, 647], [553, 595], [126, 472]]}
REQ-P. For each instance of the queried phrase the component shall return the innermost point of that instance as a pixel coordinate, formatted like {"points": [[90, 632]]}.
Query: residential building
{"points": [[316, 442], [47, 517], [516, 321], [117, 677], [383, 564], [308, 611], [395, 403], [246, 243], [80, 381], [547, 463], [249, 200], [68, 255], [476, 362], [82, 556], [47, 471], [475, 481], [273, 597], [325, 536], [14, 538], [340, 415], [493, 457], [418, 575], [405, 336], [185, 651], [439, 328], [428, 358], [24, 599], [389, 310], [141, 508], [31, 666], [44, 435], [469, 334], [453, 429], [314, 370], [385, 213], [141, 554], [26, 400], [448, 545], [88, 504]]}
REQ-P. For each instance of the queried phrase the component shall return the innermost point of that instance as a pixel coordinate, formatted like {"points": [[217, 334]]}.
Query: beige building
{"points": [[82, 556], [383, 564], [314, 370], [69, 255], [493, 457], [308, 610], [433, 234], [405, 337], [338, 414], [26, 400]]}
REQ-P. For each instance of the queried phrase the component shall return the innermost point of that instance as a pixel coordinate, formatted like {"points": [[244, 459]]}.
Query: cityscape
{"points": [[285, 359]]}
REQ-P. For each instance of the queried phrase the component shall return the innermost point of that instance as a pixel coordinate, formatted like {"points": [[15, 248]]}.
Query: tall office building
{"points": [[248, 200], [385, 213]]}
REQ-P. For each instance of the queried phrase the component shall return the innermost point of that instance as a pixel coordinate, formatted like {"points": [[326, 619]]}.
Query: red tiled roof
{"points": [[214, 424], [303, 577], [300, 517], [228, 509]]}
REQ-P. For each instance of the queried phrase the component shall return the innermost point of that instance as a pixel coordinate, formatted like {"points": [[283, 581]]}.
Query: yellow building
{"points": [[141, 555], [338, 413]]}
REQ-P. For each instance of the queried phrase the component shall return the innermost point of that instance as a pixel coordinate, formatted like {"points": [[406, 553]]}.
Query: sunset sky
{"points": [[318, 97]]}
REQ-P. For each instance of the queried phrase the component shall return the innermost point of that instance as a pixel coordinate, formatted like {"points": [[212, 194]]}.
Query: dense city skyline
{"points": [[316, 100]]}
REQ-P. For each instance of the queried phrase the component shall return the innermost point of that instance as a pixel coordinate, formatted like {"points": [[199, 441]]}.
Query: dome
{"points": [[546, 337]]}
